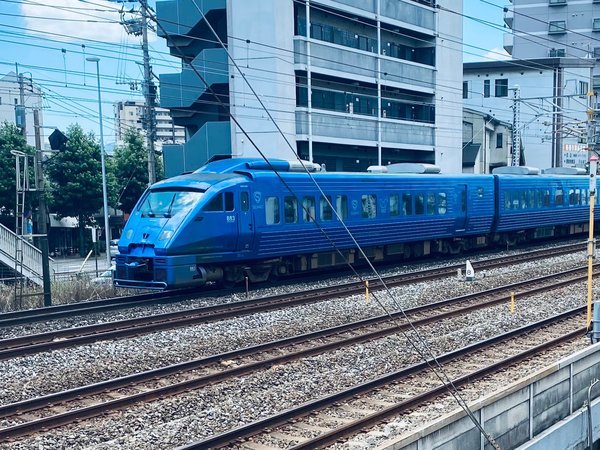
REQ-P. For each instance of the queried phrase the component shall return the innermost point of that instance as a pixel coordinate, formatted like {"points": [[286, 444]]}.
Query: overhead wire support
{"points": [[516, 133]]}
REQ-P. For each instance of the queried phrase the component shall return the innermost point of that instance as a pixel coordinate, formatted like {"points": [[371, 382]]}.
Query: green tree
{"points": [[76, 177], [131, 169], [10, 139]]}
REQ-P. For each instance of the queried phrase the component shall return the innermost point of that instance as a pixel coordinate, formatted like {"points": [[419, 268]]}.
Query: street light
{"points": [[104, 193]]}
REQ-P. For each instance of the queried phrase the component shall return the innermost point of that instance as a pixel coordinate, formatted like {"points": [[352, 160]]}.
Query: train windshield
{"points": [[165, 203]]}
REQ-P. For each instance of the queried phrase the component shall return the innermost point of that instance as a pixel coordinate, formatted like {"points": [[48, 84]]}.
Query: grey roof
{"points": [[531, 64]]}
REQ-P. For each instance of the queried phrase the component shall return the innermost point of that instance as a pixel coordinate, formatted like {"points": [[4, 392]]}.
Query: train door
{"points": [[245, 221], [461, 207]]}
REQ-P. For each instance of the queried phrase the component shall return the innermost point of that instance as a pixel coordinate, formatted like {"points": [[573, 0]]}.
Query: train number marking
{"points": [[230, 219]]}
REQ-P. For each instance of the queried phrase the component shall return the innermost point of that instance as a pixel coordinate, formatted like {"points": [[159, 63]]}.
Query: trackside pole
{"points": [[592, 325]]}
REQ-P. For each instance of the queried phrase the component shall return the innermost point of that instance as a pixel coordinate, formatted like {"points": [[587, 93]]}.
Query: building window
{"points": [[501, 87], [499, 139], [466, 89], [583, 88], [557, 53], [596, 52], [557, 2], [596, 24], [557, 27], [486, 88]]}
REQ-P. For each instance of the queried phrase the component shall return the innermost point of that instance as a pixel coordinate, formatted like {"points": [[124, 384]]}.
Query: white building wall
{"points": [[536, 92], [448, 98], [9, 98], [270, 71]]}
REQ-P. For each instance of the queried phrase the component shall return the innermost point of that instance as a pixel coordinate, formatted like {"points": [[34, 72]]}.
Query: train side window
{"points": [[578, 197], [430, 203], [216, 204], [245, 201], [585, 199], [369, 206], [558, 197], [463, 201], [229, 201], [394, 205], [442, 203], [325, 206], [507, 202], [419, 204], [290, 209], [572, 197], [546, 197], [531, 198], [308, 209], [341, 206], [524, 199], [538, 198], [406, 204], [272, 210]]}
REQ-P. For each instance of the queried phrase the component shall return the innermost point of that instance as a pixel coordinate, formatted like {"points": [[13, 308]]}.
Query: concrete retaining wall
{"points": [[525, 410]]}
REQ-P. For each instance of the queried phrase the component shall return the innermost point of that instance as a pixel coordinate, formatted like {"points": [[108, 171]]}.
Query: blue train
{"points": [[237, 218]]}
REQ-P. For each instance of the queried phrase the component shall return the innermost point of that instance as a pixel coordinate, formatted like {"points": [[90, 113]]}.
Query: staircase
{"points": [[30, 255]]}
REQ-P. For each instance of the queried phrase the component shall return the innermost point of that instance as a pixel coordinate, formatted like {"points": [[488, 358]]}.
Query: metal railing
{"points": [[32, 256]]}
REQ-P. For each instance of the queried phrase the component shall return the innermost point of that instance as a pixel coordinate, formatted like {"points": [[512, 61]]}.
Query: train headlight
{"points": [[129, 234], [167, 234]]}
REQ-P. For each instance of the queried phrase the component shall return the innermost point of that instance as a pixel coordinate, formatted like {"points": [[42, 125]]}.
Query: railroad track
{"points": [[402, 391], [74, 309], [64, 338], [65, 407]]}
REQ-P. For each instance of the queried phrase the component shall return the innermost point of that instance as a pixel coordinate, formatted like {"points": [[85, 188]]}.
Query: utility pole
{"points": [[137, 28], [43, 209], [592, 324], [20, 116]]}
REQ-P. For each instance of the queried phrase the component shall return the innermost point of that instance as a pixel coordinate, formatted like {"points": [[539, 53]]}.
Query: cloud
{"points": [[73, 20]]}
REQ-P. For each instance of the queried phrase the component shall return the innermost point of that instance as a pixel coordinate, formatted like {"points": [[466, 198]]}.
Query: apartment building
{"points": [[346, 83]]}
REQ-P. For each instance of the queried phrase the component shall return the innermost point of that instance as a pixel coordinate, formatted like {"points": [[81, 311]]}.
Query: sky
{"points": [[49, 40]]}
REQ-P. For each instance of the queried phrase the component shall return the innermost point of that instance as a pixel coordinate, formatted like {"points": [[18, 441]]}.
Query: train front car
{"points": [[178, 225]]}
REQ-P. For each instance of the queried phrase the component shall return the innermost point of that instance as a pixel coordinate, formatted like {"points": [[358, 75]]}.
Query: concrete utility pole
{"points": [[150, 96], [43, 209], [20, 116], [137, 28]]}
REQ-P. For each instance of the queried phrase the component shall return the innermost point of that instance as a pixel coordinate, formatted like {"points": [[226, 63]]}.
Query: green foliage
{"points": [[131, 169], [76, 177], [10, 139]]}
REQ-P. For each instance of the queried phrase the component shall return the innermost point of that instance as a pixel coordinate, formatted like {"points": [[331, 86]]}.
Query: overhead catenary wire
{"points": [[439, 372]]}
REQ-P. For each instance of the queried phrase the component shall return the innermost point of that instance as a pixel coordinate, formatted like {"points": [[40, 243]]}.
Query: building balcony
{"points": [[182, 90], [213, 138], [181, 20], [361, 130], [509, 40], [406, 11], [179, 17], [336, 60], [509, 15]]}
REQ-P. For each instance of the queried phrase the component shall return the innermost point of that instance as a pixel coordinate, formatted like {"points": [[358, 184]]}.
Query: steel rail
{"points": [[173, 389], [64, 338], [248, 430], [72, 309]]}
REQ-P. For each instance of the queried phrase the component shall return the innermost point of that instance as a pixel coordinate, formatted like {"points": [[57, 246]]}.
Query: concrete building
{"points": [[10, 103], [129, 114], [552, 103], [372, 68], [554, 28], [487, 142]]}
